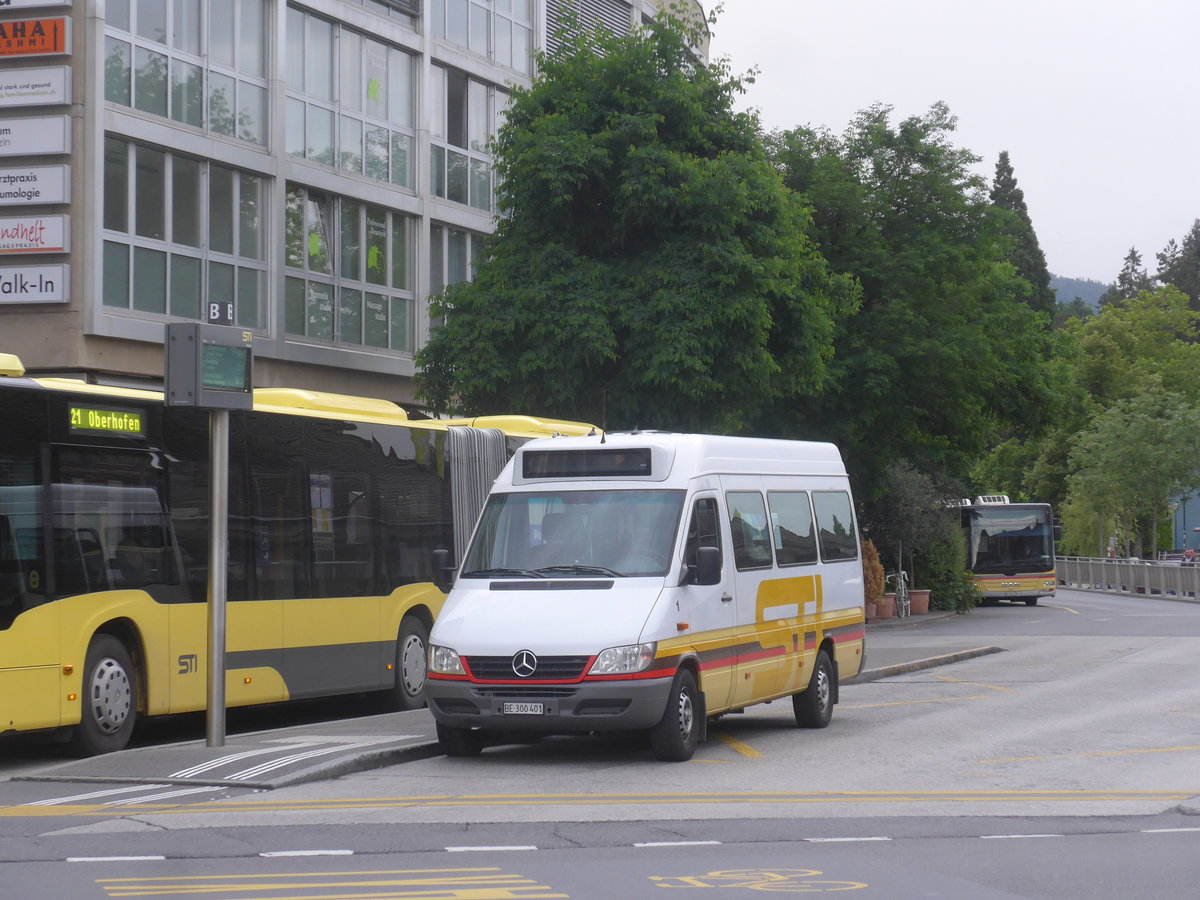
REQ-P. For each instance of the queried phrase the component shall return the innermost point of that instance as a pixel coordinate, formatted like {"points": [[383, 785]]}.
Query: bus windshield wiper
{"points": [[502, 573], [580, 570]]}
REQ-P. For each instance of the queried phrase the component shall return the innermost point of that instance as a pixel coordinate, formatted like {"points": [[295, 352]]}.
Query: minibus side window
{"points": [[704, 530], [792, 527], [835, 525], [748, 530]]}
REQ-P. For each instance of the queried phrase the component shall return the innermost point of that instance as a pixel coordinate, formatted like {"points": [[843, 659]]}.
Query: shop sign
{"points": [[35, 234], [35, 184], [35, 37], [35, 135], [32, 87], [35, 284]]}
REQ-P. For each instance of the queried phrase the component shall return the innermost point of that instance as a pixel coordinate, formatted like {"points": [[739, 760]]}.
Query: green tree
{"points": [[1132, 279], [1023, 251], [1075, 309], [650, 267], [1135, 457], [944, 357], [1179, 265]]}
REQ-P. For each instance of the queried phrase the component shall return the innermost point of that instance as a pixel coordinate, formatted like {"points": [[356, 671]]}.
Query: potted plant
{"points": [[872, 580]]}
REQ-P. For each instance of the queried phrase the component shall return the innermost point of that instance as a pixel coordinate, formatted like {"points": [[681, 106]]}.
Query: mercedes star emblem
{"points": [[524, 663]]}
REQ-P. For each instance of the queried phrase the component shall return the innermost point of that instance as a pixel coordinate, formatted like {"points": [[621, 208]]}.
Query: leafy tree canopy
{"points": [[650, 267], [1179, 265], [1023, 250], [944, 355]]}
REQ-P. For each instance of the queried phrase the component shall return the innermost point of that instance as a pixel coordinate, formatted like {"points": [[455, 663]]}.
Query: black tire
{"points": [[108, 700], [460, 741], [412, 658], [1032, 601], [814, 705], [675, 737]]}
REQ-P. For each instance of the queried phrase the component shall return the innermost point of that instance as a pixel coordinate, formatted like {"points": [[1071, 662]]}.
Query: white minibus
{"points": [[650, 581]]}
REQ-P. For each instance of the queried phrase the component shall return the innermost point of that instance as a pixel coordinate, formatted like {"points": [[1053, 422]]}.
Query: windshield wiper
{"points": [[580, 570], [502, 573]]}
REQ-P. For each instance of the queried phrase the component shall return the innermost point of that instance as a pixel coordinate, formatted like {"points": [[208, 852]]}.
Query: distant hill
{"points": [[1084, 288]]}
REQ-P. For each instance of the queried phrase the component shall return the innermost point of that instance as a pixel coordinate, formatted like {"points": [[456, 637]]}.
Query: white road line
{"points": [[1166, 830], [842, 840], [272, 765], [274, 853], [674, 843], [479, 849], [113, 858], [1007, 837], [166, 795], [95, 795], [226, 760]]}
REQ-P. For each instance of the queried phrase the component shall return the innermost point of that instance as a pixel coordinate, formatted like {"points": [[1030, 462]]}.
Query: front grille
{"points": [[521, 692], [549, 668]]}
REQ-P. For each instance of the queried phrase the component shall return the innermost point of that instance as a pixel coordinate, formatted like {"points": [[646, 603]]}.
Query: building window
{"points": [[463, 123], [500, 30], [349, 100], [179, 231], [199, 62], [349, 271], [454, 256]]}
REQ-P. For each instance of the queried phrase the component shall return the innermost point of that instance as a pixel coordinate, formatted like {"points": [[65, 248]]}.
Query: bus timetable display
{"points": [[209, 366]]}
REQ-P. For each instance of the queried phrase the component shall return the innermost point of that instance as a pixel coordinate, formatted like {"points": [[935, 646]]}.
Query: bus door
{"points": [[765, 631], [710, 611]]}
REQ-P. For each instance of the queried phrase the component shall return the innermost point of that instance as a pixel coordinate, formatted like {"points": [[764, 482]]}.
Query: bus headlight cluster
{"points": [[445, 661], [624, 660]]}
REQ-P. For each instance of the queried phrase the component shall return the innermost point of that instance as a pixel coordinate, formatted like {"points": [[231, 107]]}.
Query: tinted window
{"points": [[792, 527], [748, 529], [835, 525]]}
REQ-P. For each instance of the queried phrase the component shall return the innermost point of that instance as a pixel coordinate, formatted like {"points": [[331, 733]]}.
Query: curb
{"points": [[916, 665]]}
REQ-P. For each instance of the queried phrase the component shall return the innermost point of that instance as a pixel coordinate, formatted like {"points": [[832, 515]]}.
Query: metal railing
{"points": [[1126, 576]]}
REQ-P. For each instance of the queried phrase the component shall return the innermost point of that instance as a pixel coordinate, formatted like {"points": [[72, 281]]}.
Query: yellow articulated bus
{"points": [[337, 506]]}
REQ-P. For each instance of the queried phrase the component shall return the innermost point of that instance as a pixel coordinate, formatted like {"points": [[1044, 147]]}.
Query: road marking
{"points": [[1166, 830], [842, 840], [990, 687], [274, 853], [674, 843], [93, 795], [114, 858], [1008, 837], [742, 748], [481, 849]]}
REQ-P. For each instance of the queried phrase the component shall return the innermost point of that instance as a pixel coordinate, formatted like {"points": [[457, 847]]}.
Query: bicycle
{"points": [[903, 604]]}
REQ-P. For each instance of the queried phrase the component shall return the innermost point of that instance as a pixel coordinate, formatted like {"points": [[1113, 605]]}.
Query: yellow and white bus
{"points": [[337, 506], [1010, 548]]}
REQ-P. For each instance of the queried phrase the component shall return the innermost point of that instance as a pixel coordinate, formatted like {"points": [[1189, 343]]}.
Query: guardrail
{"points": [[1126, 576]]}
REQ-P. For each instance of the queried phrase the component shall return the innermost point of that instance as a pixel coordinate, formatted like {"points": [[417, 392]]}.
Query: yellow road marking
{"points": [[990, 687], [1073, 612], [742, 748], [553, 800], [1089, 754]]}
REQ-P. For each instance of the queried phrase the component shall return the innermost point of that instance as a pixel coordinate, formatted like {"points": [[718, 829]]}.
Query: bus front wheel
{"points": [[814, 706], [412, 651], [108, 701]]}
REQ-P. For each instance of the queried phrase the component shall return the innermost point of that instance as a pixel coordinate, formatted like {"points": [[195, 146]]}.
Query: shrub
{"points": [[872, 573]]}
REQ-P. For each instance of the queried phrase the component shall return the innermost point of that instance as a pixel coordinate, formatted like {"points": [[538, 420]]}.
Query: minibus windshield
{"points": [[583, 534]]}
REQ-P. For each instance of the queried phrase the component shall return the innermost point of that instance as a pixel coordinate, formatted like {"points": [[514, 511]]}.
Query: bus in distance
{"points": [[1010, 548]]}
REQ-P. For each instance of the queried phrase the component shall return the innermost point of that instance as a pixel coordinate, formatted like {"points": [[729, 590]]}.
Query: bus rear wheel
{"points": [[108, 700], [814, 706]]}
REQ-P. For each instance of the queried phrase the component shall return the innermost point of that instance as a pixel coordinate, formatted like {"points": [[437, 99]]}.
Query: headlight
{"points": [[624, 660], [445, 661]]}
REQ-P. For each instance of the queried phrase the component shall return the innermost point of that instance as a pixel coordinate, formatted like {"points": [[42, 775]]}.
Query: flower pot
{"points": [[886, 607], [918, 602]]}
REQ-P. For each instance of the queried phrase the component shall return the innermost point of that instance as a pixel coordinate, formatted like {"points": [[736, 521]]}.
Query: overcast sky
{"points": [[1096, 101]]}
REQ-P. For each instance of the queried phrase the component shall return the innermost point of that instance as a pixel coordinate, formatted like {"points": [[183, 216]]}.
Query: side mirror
{"points": [[708, 566], [443, 571]]}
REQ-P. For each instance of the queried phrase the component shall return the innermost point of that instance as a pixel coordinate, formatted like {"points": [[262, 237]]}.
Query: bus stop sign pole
{"points": [[211, 367]]}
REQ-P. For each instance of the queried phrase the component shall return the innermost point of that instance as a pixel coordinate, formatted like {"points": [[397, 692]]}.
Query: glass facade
{"points": [[179, 230], [198, 62], [349, 273]]}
